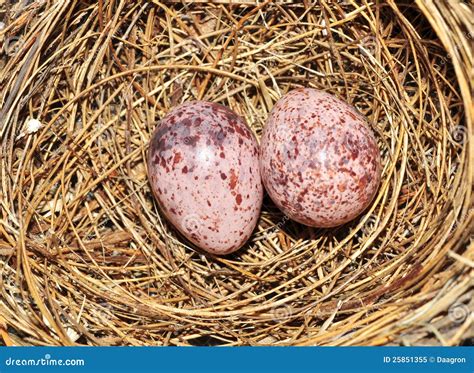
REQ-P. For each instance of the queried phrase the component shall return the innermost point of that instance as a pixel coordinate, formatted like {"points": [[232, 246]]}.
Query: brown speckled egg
{"points": [[319, 159], [203, 170]]}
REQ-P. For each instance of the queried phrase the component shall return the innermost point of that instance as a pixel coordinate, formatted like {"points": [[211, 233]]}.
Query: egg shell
{"points": [[203, 170], [319, 159]]}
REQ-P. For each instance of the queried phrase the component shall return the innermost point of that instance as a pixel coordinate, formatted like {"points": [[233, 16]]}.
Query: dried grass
{"points": [[86, 257]]}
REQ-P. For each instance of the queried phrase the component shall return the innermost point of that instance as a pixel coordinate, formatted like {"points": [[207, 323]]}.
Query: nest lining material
{"points": [[86, 257]]}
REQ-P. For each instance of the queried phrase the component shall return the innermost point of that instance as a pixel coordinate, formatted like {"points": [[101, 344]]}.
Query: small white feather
{"points": [[33, 125]]}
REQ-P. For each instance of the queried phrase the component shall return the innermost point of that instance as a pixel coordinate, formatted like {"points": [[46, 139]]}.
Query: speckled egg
{"points": [[319, 159], [203, 170]]}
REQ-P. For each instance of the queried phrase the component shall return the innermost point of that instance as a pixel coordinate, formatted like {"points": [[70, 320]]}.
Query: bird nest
{"points": [[86, 257]]}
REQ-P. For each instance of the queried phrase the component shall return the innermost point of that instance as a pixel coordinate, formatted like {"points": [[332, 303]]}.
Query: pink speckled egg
{"points": [[319, 159], [203, 170]]}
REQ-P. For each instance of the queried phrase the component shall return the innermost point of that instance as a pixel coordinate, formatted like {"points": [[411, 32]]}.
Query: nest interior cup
{"points": [[87, 258]]}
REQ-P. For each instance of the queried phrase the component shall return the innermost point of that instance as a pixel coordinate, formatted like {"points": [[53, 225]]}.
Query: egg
{"points": [[204, 172], [319, 159]]}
